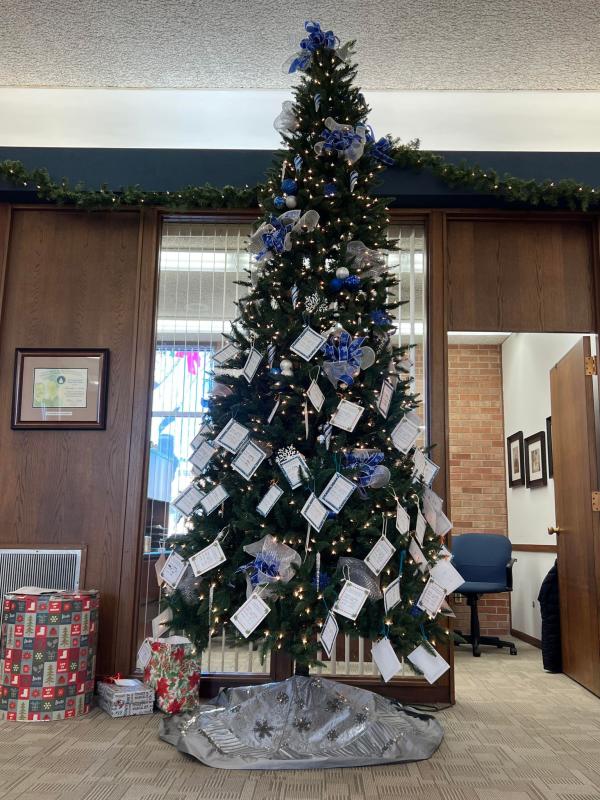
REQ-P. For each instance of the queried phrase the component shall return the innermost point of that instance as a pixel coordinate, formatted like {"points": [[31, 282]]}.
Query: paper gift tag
{"points": [[307, 344], [225, 353], [337, 492], [204, 432], [386, 659], [252, 364], [442, 525], [446, 610], [443, 552], [444, 574], [269, 499], [315, 512], [295, 470], [432, 666], [233, 436], [329, 634], [187, 501], [347, 415], [417, 555], [248, 460], [160, 562], [379, 555], [392, 596], [144, 654], [431, 598], [249, 615], [160, 624], [385, 398], [351, 600], [173, 570], [214, 499], [405, 434], [208, 558], [402, 519], [420, 528], [424, 467], [315, 395], [202, 455]]}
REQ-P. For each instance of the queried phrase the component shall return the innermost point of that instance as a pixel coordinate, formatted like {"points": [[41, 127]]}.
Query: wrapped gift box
{"points": [[125, 697], [173, 671], [48, 654]]}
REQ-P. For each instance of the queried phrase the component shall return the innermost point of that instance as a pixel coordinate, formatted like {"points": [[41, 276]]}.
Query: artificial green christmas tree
{"points": [[308, 457]]}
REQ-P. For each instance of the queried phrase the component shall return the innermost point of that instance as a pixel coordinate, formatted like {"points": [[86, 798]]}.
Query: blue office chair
{"points": [[484, 561]]}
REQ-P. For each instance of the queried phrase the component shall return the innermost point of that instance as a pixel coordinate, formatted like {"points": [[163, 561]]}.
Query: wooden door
{"points": [[575, 477]]}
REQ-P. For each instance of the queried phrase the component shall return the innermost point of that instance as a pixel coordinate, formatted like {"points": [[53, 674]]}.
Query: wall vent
{"points": [[52, 569]]}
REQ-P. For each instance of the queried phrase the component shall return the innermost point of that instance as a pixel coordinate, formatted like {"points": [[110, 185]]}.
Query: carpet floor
{"points": [[515, 733]]}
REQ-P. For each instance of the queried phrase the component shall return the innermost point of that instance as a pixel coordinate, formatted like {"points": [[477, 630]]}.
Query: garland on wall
{"points": [[565, 193]]}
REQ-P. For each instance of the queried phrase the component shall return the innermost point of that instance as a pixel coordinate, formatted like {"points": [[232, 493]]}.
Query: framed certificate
{"points": [[187, 501], [252, 364], [214, 499], [233, 436], [347, 415], [269, 499], [337, 492], [248, 460], [60, 389]]}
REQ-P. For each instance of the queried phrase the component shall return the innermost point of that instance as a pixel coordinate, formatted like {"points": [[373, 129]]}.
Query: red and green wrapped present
{"points": [[172, 669], [48, 654]]}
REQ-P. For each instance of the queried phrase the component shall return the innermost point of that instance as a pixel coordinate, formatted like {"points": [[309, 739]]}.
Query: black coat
{"points": [[550, 608]]}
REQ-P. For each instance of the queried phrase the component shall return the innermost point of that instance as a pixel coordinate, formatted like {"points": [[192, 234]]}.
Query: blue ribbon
{"points": [[265, 563], [346, 349], [316, 38], [366, 466], [339, 141], [274, 241], [380, 148]]}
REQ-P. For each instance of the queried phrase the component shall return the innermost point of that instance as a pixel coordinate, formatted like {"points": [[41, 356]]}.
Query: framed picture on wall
{"points": [[549, 446], [535, 460], [516, 465], [60, 389]]}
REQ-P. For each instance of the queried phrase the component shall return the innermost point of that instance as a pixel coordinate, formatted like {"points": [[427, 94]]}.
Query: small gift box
{"points": [[172, 669], [125, 697]]}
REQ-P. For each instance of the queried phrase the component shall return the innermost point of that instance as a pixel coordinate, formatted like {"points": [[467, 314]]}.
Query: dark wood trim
{"points": [[500, 215], [5, 222], [137, 468], [535, 548], [525, 637]]}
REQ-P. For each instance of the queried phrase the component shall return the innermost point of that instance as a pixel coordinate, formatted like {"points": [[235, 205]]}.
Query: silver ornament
{"points": [[286, 367], [342, 273], [290, 201]]}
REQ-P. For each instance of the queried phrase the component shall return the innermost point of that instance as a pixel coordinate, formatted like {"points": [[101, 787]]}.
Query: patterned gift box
{"points": [[48, 655], [173, 671], [125, 698]]}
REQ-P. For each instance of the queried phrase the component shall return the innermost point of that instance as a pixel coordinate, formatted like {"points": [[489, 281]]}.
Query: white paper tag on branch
{"points": [[444, 574], [187, 501], [173, 570], [432, 666], [269, 499], [144, 654], [249, 615], [329, 634], [160, 562], [420, 528], [233, 436], [385, 398], [417, 555], [347, 415], [386, 659], [273, 412], [402, 519], [392, 596], [315, 512], [308, 344], [405, 434], [213, 499], [337, 492], [315, 395], [252, 364], [379, 555], [431, 598], [208, 558], [350, 600], [161, 623], [225, 353]]}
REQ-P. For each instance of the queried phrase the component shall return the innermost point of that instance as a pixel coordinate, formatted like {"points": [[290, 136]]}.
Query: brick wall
{"points": [[478, 463]]}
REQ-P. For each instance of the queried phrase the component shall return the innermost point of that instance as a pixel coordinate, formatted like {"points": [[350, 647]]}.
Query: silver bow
{"points": [[285, 122], [292, 221], [370, 263]]}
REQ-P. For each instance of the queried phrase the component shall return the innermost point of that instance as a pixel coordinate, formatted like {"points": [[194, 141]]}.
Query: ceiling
{"points": [[238, 44]]}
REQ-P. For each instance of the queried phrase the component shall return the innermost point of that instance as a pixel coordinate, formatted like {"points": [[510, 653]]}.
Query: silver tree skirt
{"points": [[302, 723]]}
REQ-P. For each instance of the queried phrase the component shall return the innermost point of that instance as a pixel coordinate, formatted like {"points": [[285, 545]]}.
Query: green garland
{"points": [[545, 194]]}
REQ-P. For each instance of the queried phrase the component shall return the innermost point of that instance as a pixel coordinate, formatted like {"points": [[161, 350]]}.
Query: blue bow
{"points": [[274, 241], [346, 349], [380, 148], [339, 141], [366, 466], [380, 317], [264, 563], [316, 38]]}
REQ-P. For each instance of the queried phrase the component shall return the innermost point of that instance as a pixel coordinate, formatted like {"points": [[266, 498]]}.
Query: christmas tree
{"points": [[313, 500]]}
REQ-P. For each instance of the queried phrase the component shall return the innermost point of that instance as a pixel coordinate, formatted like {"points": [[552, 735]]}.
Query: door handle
{"points": [[556, 530]]}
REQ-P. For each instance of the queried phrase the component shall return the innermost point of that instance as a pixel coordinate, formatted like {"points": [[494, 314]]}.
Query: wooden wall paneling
{"points": [[139, 443], [437, 381], [520, 273], [71, 281], [5, 218]]}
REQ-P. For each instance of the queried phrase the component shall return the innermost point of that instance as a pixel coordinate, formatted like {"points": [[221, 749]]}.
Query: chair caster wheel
{"points": [[477, 653], [513, 651]]}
